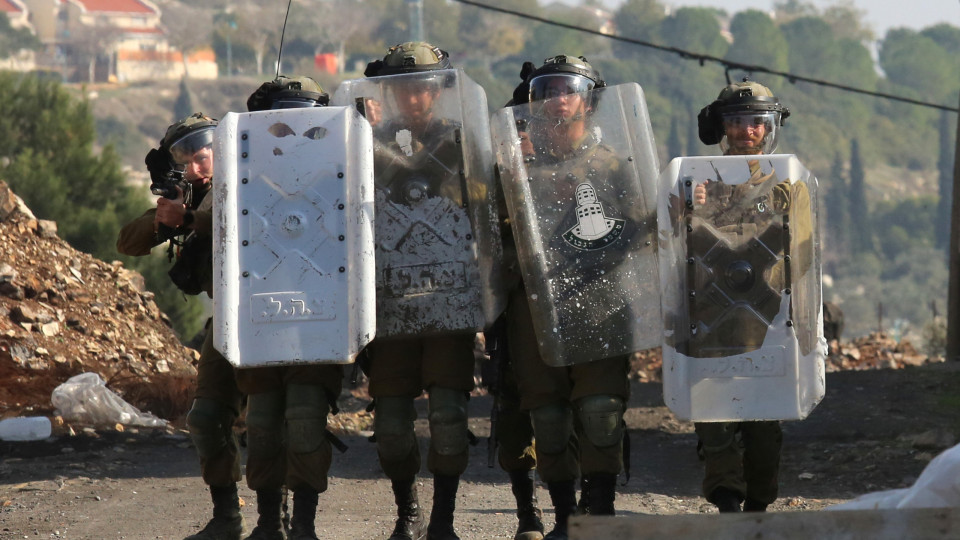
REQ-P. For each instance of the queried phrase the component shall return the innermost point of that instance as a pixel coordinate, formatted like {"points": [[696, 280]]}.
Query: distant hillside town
{"points": [[101, 41]]}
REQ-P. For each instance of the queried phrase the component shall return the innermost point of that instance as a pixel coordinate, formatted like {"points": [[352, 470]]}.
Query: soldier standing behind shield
{"points": [[742, 459], [187, 147], [401, 369], [287, 406], [577, 410]]}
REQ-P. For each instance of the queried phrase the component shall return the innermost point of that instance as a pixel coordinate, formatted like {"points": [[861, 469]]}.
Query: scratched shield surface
{"points": [[583, 211], [438, 251], [293, 230], [740, 271]]}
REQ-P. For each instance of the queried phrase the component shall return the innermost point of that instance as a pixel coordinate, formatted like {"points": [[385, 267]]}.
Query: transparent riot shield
{"points": [[740, 273], [437, 239], [293, 256], [581, 194]]}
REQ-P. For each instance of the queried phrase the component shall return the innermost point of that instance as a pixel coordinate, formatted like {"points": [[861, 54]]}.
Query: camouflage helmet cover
{"points": [[409, 57], [292, 91]]}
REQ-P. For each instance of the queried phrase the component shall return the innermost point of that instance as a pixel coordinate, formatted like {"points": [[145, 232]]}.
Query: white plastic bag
{"points": [[937, 487], [85, 398]]}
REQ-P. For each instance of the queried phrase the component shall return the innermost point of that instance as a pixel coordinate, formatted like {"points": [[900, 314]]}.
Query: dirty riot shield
{"points": [[438, 247], [293, 256], [740, 275], [582, 203]]}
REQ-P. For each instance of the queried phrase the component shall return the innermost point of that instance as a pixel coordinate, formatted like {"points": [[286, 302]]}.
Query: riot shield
{"points": [[740, 275], [437, 239], [293, 224], [582, 205]]}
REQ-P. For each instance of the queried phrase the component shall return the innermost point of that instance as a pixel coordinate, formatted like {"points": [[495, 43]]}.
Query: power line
{"points": [[703, 58]]}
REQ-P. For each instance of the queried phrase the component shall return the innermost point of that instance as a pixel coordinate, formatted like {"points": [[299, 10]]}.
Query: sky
{"points": [[881, 15]]}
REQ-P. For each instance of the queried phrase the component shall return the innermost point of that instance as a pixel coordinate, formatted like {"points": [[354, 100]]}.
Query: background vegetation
{"points": [[885, 168]]}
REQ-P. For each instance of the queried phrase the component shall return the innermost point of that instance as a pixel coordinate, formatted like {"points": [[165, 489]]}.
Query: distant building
{"points": [[24, 59], [106, 40]]}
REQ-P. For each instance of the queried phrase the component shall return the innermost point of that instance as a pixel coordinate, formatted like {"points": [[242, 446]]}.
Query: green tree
{"points": [[945, 176], [674, 144], [835, 199], [14, 39], [695, 29], [183, 106], [916, 61], [757, 40], [47, 139], [861, 238]]}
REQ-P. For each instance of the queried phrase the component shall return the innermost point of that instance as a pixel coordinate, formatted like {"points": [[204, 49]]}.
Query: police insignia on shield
{"points": [[593, 230]]}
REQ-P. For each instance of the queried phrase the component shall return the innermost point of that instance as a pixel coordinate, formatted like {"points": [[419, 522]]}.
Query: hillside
{"points": [[62, 313]]}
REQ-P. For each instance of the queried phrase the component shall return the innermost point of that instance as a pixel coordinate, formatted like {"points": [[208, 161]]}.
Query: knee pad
{"points": [[307, 409], [552, 427], [264, 424], [601, 417], [448, 421], [393, 427], [211, 427]]}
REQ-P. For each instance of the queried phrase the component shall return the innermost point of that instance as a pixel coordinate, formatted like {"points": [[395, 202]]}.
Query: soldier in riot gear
{"points": [[742, 459], [187, 148], [576, 410], [408, 170], [287, 406]]}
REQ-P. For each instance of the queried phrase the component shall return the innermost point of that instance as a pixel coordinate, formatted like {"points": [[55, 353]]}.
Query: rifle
{"points": [[168, 180], [492, 374]]}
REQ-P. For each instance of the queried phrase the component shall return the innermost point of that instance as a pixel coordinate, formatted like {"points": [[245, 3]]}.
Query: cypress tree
{"points": [[861, 236], [945, 173]]}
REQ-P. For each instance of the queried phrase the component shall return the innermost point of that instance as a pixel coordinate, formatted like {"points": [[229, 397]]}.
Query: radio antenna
{"points": [[282, 33]]}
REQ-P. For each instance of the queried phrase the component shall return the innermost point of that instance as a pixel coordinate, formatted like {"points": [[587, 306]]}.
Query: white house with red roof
{"points": [[111, 40]]}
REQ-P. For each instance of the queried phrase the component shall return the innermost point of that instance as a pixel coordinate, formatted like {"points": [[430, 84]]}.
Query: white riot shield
{"points": [[437, 239], [740, 276], [584, 222], [293, 259]]}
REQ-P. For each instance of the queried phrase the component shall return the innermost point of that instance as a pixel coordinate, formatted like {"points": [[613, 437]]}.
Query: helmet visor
{"points": [[294, 103], [554, 85], [183, 149], [746, 133]]}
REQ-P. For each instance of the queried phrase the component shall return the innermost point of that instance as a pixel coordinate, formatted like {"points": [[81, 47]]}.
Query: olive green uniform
{"points": [[541, 385], [744, 457], [219, 456], [299, 397], [401, 369]]}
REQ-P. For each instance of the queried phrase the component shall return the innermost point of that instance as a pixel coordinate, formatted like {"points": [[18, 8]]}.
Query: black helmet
{"points": [[741, 102], [185, 137], [409, 57], [287, 93]]}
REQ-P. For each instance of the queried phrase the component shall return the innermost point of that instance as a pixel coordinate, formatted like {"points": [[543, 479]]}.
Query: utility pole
{"points": [[953, 291]]}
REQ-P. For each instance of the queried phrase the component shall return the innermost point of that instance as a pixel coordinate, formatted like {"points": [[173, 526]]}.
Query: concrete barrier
{"points": [[901, 524]]}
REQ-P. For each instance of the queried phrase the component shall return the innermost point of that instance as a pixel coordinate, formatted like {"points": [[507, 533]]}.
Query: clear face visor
{"points": [[746, 133], [555, 85], [183, 149], [294, 103]]}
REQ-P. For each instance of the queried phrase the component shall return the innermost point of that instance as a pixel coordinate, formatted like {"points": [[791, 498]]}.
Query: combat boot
{"points": [[410, 522], [601, 491], [444, 503], [564, 498], [227, 523], [726, 500], [529, 516], [751, 505], [268, 520], [304, 514]]}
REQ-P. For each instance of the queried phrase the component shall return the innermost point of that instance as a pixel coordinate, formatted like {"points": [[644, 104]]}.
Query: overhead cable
{"points": [[703, 58]]}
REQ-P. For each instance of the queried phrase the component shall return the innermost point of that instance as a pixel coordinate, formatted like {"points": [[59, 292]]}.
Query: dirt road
{"points": [[874, 430]]}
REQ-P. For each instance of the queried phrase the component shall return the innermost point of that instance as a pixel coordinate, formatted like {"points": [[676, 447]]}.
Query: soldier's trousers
{"points": [[514, 429], [216, 382], [404, 368], [300, 459], [743, 457], [542, 385]]}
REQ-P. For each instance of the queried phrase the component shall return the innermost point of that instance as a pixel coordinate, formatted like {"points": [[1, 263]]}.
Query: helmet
{"points": [[287, 93], [578, 76], [743, 104], [409, 57], [185, 137]]}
